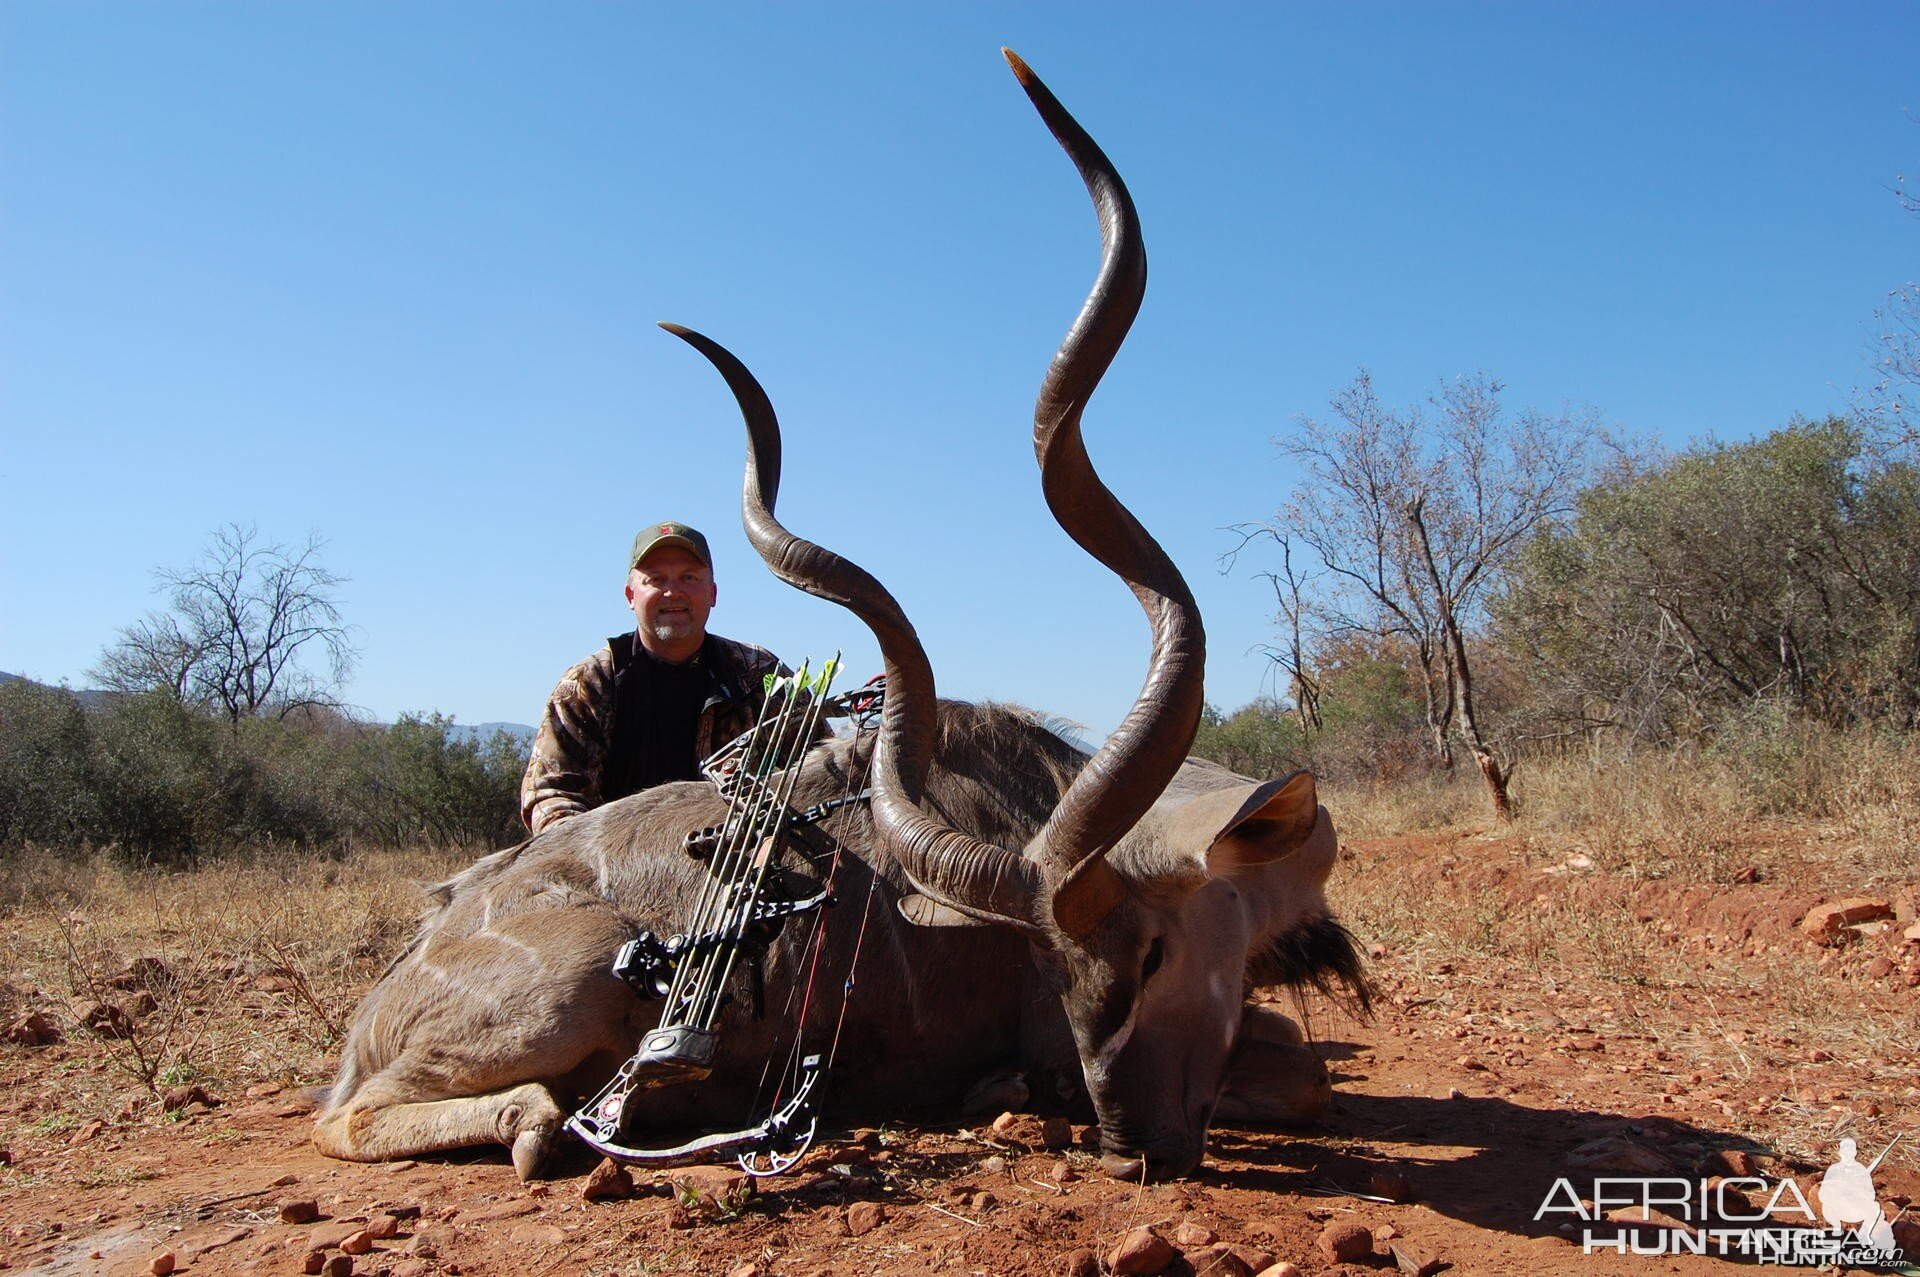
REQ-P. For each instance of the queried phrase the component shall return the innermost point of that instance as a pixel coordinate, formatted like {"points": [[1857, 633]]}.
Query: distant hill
{"points": [[85, 695], [520, 732]]}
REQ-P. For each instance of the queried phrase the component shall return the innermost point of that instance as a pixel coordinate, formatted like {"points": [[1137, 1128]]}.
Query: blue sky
{"points": [[390, 273]]}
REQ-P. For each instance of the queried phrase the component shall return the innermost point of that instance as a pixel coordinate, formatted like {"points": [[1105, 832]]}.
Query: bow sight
{"points": [[763, 867]]}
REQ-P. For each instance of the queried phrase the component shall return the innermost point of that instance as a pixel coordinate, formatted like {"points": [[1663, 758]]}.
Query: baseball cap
{"points": [[652, 537]]}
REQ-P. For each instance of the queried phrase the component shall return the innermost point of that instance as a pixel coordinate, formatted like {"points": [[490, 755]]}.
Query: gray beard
{"points": [[668, 631]]}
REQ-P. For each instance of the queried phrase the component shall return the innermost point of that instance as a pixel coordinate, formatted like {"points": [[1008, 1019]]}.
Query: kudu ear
{"points": [[1262, 826]]}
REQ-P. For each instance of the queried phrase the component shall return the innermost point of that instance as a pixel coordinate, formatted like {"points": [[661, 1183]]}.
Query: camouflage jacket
{"points": [[568, 762]]}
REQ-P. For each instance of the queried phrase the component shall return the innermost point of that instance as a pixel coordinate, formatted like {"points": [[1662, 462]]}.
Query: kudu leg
{"points": [[377, 1126]]}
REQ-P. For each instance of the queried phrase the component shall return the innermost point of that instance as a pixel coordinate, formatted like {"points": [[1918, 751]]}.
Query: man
{"points": [[651, 704]]}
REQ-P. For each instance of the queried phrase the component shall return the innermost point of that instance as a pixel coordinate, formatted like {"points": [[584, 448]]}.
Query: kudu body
{"points": [[1096, 917]]}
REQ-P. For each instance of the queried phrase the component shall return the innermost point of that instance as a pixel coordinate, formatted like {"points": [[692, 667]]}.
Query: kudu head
{"points": [[1144, 910]]}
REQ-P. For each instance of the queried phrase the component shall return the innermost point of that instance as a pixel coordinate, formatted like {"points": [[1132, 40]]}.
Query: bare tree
{"points": [[245, 621], [1290, 655], [1416, 519]]}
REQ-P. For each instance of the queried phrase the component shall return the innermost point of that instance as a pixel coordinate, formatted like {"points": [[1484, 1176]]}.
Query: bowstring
{"points": [[853, 779]]}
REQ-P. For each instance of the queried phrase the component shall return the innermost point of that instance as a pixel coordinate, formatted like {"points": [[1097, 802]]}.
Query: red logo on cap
{"points": [[666, 529]]}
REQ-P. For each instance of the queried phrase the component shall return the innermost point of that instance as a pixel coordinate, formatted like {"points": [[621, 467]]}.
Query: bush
{"points": [[47, 792], [158, 781]]}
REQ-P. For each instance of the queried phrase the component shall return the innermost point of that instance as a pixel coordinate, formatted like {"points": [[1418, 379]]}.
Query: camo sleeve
{"points": [[570, 750]]}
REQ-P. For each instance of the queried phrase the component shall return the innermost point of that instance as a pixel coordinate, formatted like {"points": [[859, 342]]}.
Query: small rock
{"points": [[864, 1217], [1056, 1133], [1827, 924], [1470, 1064], [983, 1200], [162, 1264], [337, 1266], [746, 1270], [1018, 1128], [1062, 1172], [1345, 1242], [1455, 1093], [179, 1097], [358, 1242], [714, 1187], [1219, 1260], [107, 1020], [510, 1209], [1412, 1259], [1644, 1215], [1390, 1183], [1281, 1269], [608, 1182], [383, 1226], [1192, 1236], [1912, 934], [329, 1236], [314, 1262], [1080, 1263], [1881, 967], [411, 1268], [33, 1030], [141, 973], [1732, 1161], [1141, 1251], [86, 1133], [679, 1216], [993, 1164], [1618, 1154]]}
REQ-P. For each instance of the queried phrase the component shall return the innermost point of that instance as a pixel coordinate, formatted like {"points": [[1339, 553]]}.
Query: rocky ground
{"points": [[1541, 1018]]}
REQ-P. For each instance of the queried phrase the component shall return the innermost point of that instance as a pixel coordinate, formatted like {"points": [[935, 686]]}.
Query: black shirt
{"points": [[656, 715]]}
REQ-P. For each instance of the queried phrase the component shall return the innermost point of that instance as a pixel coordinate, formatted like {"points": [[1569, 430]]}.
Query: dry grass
{"points": [[253, 968], [1577, 903], [1687, 814]]}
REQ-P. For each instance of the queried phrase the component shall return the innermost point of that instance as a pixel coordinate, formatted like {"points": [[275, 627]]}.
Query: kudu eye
{"points": [[1156, 954]]}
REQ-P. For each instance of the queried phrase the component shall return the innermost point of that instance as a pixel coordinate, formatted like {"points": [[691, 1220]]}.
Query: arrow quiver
{"points": [[763, 867]]}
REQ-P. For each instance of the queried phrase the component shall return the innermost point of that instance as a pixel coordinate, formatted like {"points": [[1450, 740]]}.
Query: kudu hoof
{"points": [[530, 1150]]}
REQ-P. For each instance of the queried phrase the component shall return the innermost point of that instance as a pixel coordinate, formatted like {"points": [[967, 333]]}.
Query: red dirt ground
{"points": [[1536, 1020]]}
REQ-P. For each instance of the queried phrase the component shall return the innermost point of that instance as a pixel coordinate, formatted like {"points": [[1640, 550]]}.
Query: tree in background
{"points": [[1416, 518], [1783, 569], [246, 619]]}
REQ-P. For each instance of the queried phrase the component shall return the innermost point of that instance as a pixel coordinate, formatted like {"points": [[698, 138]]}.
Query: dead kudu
{"points": [[1091, 921]]}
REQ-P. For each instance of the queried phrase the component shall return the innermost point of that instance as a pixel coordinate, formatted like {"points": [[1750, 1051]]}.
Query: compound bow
{"points": [[752, 887]]}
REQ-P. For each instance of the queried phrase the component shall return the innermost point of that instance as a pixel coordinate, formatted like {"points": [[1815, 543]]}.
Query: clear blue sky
{"points": [[390, 272]]}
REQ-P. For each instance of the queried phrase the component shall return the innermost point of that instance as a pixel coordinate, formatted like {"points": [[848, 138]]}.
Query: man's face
{"points": [[671, 592]]}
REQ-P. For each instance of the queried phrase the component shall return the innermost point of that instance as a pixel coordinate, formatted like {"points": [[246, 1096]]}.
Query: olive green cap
{"points": [[656, 535]]}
